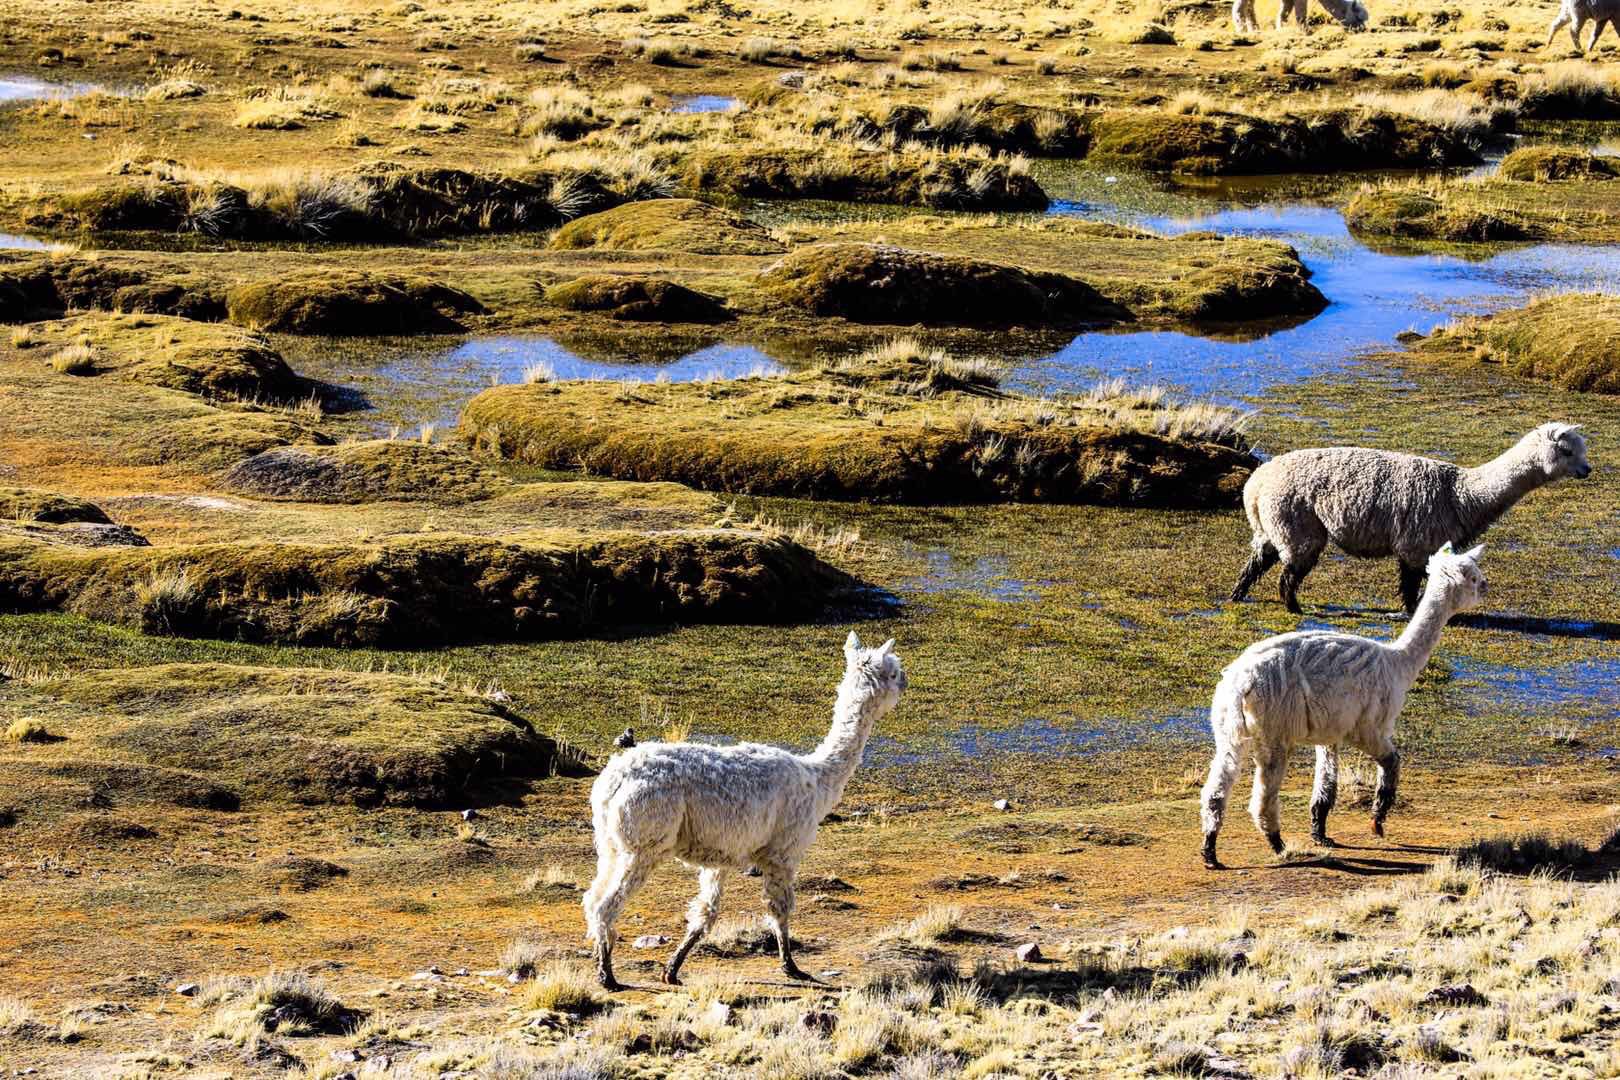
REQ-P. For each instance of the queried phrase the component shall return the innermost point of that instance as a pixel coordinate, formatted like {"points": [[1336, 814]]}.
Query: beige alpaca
{"points": [[1351, 14]]}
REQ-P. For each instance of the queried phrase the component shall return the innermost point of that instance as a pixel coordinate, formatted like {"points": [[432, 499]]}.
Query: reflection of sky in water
{"points": [[27, 88], [984, 576], [1589, 687], [1372, 298], [701, 103], [13, 242], [509, 357]]}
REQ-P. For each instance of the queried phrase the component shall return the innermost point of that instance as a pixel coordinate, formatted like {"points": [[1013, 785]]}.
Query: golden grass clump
{"points": [[1571, 339]]}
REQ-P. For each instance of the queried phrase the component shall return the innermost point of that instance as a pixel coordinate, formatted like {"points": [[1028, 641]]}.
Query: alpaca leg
{"points": [[779, 910], [1324, 793], [1298, 564], [699, 919], [1223, 773], [1411, 586], [1262, 557], [1269, 767], [1240, 13], [628, 874], [1575, 33], [1389, 776], [1563, 19]]}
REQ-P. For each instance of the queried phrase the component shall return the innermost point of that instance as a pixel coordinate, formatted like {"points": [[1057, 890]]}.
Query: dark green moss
{"points": [[349, 302], [1416, 214], [667, 224], [879, 283], [909, 179], [1553, 163], [636, 298], [425, 589], [48, 507]]}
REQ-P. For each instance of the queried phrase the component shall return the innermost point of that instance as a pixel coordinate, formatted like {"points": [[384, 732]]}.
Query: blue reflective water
{"points": [[986, 576], [508, 359], [28, 88], [13, 242], [1373, 296], [701, 103], [1583, 689]]}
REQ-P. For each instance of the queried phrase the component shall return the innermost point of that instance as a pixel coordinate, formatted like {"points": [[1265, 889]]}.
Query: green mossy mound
{"points": [[45, 287], [48, 507], [878, 283], [1551, 163], [223, 438], [637, 298], [1420, 215], [921, 433], [208, 359], [379, 203], [1007, 127], [668, 225], [363, 472], [1221, 143], [307, 735], [1572, 339], [349, 302], [425, 590], [907, 179]]}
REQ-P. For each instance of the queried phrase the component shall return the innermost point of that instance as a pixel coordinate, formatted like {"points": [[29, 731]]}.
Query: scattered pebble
{"points": [[819, 1020], [1002, 804], [469, 815], [1455, 994], [718, 1013], [649, 941], [187, 989], [1029, 953]]}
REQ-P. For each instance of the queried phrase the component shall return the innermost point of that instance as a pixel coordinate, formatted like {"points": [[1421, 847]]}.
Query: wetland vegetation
{"points": [[397, 403]]}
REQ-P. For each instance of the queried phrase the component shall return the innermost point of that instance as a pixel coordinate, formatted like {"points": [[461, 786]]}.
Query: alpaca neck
{"points": [[1417, 642], [839, 755], [1492, 488]]}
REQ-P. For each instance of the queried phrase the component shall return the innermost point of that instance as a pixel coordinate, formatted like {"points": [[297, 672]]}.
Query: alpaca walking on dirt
{"points": [[1351, 14], [1329, 689], [1575, 14], [1374, 504], [724, 808]]}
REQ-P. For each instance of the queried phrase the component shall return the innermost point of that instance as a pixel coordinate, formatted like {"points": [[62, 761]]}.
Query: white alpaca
{"points": [[1328, 689], [724, 808], [1577, 13], [1374, 504], [1351, 14]]}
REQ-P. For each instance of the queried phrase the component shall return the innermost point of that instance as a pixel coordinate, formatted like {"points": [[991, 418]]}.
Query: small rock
{"points": [[469, 815], [187, 989], [460, 973], [382, 1063], [427, 974], [793, 80], [719, 1013], [345, 1057], [1029, 953], [649, 941], [626, 739], [1455, 994], [1002, 805], [1558, 1003], [819, 1020], [832, 973]]}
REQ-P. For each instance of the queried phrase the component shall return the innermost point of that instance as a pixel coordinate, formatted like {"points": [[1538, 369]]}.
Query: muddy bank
{"points": [[1538, 194]]}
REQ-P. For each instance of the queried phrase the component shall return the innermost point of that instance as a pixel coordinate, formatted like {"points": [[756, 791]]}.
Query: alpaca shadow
{"points": [[1356, 865], [1529, 624]]}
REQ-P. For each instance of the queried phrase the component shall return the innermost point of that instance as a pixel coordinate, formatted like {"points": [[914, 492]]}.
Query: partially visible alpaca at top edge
{"points": [[1329, 689], [1374, 504], [1351, 14], [724, 808]]}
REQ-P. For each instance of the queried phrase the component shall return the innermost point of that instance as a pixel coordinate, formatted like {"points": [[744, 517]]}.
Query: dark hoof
{"points": [[671, 977], [1322, 840], [610, 984], [1276, 842], [1212, 863], [792, 971], [1238, 596], [1378, 827]]}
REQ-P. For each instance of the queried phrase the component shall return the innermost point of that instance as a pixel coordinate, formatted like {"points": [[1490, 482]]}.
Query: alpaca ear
{"points": [[1446, 549], [1475, 553], [887, 648], [852, 645]]}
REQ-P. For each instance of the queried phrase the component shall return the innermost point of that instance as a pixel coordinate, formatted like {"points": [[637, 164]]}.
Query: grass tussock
{"points": [[902, 423], [1571, 339]]}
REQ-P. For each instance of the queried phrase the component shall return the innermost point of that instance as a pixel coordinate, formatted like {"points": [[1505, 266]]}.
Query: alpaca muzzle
{"points": [[1583, 471]]}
